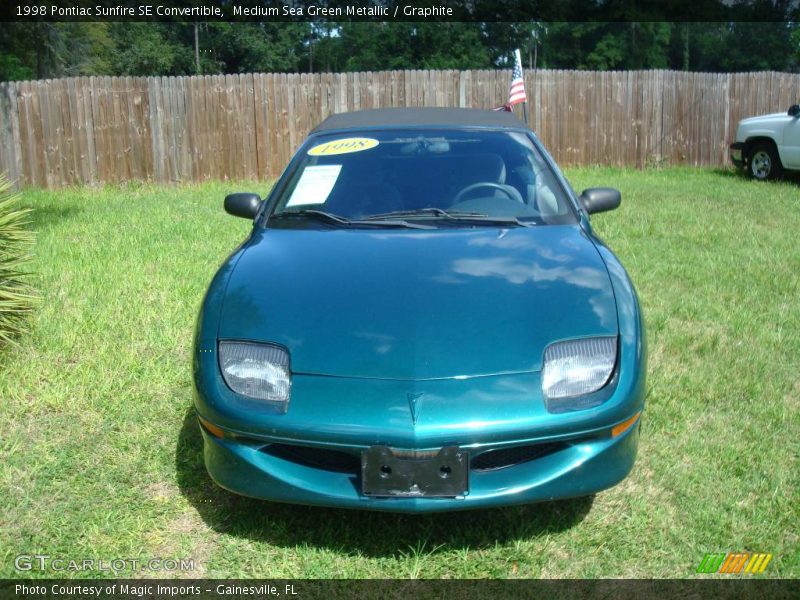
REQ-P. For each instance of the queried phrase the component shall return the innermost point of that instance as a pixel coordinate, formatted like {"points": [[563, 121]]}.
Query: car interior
{"points": [[433, 173]]}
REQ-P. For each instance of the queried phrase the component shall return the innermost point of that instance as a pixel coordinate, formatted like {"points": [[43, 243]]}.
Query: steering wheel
{"points": [[486, 184]]}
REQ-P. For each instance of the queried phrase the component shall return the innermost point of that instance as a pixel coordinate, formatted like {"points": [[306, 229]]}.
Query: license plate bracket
{"points": [[386, 473]]}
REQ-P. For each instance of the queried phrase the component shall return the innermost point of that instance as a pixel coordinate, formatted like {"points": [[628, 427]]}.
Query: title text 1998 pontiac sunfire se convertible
{"points": [[420, 320]]}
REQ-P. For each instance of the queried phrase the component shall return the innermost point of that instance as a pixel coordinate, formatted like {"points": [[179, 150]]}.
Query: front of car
{"points": [[764, 145], [421, 320]]}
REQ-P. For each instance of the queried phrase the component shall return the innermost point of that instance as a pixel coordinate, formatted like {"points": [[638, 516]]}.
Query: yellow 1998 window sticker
{"points": [[343, 146]]}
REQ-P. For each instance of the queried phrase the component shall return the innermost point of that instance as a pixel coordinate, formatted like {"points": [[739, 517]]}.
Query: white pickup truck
{"points": [[768, 145]]}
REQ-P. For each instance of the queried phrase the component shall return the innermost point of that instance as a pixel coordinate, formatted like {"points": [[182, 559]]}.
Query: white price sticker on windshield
{"points": [[315, 185]]}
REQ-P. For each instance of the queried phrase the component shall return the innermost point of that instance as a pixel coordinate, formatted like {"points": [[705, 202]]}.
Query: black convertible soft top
{"points": [[420, 117]]}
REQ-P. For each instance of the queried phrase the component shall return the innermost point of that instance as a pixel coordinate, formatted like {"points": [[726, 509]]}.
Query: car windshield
{"points": [[413, 177]]}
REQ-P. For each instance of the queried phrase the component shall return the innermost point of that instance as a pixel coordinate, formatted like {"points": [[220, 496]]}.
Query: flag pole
{"points": [[522, 72]]}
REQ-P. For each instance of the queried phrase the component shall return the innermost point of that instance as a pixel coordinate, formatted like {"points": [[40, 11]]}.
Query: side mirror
{"points": [[596, 200], [243, 204], [794, 110]]}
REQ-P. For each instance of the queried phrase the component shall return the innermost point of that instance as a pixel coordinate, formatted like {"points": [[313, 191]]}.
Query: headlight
{"points": [[578, 367], [258, 371]]}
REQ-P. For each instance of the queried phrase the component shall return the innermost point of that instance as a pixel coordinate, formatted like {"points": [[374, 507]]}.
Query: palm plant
{"points": [[16, 294]]}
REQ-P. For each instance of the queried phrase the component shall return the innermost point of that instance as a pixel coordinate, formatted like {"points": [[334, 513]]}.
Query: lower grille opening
{"points": [[509, 457], [317, 458]]}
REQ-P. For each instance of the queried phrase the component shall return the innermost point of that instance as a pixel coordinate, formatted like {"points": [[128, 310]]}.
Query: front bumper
{"points": [[518, 451], [736, 152], [574, 469]]}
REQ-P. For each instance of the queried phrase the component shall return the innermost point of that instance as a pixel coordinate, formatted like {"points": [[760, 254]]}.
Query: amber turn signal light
{"points": [[211, 428], [625, 425]]}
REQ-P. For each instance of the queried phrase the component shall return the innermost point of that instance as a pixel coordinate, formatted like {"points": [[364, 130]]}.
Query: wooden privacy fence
{"points": [[114, 129]]}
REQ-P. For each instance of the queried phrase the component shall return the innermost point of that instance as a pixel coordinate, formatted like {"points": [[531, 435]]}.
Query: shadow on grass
{"points": [[738, 174], [42, 217], [358, 532], [729, 173]]}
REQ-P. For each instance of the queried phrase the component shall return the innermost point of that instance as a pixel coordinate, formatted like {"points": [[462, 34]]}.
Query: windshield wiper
{"points": [[440, 213], [320, 215], [333, 219], [430, 211]]}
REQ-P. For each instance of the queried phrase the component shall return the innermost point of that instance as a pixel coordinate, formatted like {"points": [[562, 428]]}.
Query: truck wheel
{"points": [[764, 162]]}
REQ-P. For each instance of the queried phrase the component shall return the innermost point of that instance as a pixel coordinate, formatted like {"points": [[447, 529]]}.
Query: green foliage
{"points": [[373, 46], [16, 295], [795, 40], [149, 49], [40, 50], [253, 47], [44, 50], [732, 47], [381, 46], [608, 53], [450, 46], [91, 49], [608, 46], [13, 69]]}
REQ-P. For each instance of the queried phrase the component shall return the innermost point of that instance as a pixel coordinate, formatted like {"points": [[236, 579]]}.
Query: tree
{"points": [[730, 47], [380, 46], [15, 57], [47, 50], [449, 46], [149, 49], [374, 46], [248, 47], [89, 49], [33, 50], [38, 50]]}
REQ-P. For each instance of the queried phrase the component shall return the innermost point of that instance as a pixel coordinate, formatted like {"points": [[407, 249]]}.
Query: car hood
{"points": [[772, 119], [411, 304]]}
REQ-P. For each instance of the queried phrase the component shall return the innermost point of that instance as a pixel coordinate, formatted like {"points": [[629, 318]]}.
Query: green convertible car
{"points": [[421, 319]]}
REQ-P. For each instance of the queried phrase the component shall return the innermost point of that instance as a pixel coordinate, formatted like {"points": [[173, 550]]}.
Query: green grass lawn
{"points": [[101, 456]]}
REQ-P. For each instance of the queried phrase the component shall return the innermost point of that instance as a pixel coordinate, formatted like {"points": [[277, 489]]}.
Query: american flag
{"points": [[517, 92]]}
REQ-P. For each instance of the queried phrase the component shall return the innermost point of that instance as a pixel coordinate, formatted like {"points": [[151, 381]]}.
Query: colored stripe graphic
{"points": [[729, 560], [734, 562], [758, 563], [710, 563]]}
